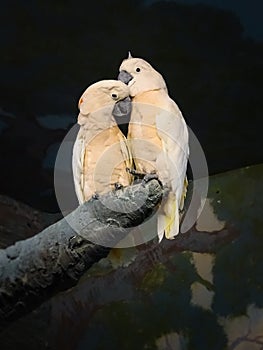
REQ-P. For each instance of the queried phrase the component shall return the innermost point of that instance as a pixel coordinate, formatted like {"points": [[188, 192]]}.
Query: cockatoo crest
{"points": [[99, 95], [145, 77]]}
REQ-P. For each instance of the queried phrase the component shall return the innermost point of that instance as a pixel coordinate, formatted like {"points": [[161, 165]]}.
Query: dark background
{"points": [[52, 50]]}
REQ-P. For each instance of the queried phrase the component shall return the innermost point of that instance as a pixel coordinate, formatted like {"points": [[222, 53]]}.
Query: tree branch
{"points": [[33, 270]]}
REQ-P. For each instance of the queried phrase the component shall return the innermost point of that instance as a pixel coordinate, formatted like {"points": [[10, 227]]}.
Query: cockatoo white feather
{"points": [[158, 138], [100, 152]]}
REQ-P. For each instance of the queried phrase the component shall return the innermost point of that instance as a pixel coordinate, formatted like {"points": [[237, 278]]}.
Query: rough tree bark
{"points": [[33, 270]]}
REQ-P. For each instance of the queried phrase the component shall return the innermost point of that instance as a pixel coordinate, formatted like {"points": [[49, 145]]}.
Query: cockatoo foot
{"points": [[95, 195], [151, 176], [136, 173], [118, 186]]}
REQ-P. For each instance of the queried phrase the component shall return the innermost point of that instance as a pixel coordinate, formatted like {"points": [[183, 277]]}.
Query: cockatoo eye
{"points": [[138, 69], [114, 96]]}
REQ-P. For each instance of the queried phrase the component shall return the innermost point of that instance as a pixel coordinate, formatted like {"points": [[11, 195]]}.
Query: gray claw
{"points": [[118, 186], [152, 176], [95, 195], [135, 173]]}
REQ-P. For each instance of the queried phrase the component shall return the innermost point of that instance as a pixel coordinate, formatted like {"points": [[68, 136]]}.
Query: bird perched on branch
{"points": [[100, 152], [157, 137]]}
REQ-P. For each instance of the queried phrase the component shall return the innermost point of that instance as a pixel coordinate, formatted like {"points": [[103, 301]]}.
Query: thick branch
{"points": [[34, 269]]}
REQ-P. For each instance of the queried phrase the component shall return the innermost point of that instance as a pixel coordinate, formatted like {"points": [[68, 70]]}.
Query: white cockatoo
{"points": [[157, 137], [100, 152]]}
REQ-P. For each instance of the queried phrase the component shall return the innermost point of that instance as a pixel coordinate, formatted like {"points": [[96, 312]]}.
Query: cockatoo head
{"points": [[140, 76], [101, 94]]}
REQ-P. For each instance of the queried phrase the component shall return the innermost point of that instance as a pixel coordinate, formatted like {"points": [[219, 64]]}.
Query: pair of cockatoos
{"points": [[156, 140]]}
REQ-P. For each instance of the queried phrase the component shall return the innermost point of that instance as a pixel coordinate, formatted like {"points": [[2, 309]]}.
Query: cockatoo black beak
{"points": [[122, 114], [125, 77], [122, 108]]}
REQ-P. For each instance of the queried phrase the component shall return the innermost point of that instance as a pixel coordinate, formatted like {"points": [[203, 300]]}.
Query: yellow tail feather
{"points": [[168, 222]]}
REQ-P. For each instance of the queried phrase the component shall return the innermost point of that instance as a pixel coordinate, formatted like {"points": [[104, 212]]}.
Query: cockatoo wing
{"points": [[173, 132], [78, 165], [100, 158]]}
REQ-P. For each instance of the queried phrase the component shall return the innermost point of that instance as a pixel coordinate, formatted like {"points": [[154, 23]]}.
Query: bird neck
{"points": [[154, 97]]}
